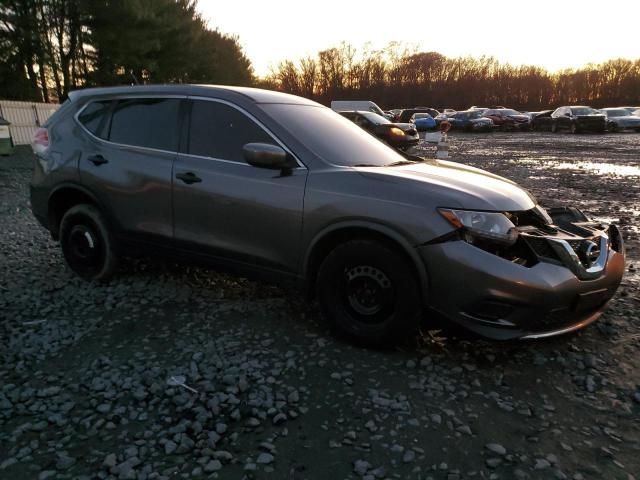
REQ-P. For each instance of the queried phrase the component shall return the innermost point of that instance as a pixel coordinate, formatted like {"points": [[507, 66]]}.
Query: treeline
{"points": [[49, 47], [397, 77]]}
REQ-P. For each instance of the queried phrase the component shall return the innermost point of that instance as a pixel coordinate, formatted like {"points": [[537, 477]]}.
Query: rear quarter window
{"points": [[95, 117]]}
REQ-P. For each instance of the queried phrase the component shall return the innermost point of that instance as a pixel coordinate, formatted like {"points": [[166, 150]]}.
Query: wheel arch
{"points": [[62, 198], [329, 238]]}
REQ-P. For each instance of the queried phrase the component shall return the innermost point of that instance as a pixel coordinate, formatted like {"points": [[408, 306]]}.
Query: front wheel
{"points": [[369, 293], [87, 244]]}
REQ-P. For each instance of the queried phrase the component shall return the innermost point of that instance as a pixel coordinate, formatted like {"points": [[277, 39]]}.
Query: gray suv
{"points": [[269, 184]]}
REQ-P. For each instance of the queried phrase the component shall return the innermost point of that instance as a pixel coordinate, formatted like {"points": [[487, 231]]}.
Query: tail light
{"points": [[40, 142]]}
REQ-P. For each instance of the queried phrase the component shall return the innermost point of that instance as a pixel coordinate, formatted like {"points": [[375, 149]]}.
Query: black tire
{"points": [[369, 293], [612, 127], [554, 127], [87, 244]]}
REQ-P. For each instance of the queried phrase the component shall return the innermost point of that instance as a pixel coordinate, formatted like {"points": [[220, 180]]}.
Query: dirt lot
{"points": [[84, 368]]}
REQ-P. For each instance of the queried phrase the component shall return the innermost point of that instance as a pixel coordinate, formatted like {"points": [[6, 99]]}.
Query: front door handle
{"points": [[97, 160], [188, 178]]}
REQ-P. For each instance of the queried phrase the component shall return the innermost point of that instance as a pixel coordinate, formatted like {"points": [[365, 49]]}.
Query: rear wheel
{"points": [[86, 243], [369, 293]]}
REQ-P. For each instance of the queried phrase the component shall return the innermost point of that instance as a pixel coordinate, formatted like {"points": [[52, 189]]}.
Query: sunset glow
{"points": [[554, 34]]}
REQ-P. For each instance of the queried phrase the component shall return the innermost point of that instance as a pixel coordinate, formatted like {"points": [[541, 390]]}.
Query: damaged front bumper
{"points": [[555, 280]]}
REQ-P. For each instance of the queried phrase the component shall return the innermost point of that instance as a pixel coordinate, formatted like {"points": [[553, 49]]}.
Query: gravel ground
{"points": [[179, 372]]}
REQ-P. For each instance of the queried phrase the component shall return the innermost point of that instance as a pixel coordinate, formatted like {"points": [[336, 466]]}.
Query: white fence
{"points": [[25, 118]]}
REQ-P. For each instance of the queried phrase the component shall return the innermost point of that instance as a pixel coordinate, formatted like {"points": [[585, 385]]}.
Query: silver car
{"points": [[621, 119], [277, 186]]}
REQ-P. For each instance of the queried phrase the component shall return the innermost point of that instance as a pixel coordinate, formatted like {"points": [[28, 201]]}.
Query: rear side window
{"points": [[220, 131], [146, 122], [95, 117]]}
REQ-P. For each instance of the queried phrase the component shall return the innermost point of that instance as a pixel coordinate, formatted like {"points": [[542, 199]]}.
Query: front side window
{"points": [[218, 130], [95, 117], [146, 122]]}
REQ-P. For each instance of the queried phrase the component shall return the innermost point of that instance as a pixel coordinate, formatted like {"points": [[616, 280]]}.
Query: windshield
{"points": [[332, 137], [421, 115], [583, 111], [619, 112], [374, 118]]}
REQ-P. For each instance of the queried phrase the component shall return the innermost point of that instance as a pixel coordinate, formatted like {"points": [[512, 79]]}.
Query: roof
{"points": [[256, 95]]}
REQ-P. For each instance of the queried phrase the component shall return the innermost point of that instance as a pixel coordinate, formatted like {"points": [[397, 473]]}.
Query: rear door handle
{"points": [[188, 178], [98, 159]]}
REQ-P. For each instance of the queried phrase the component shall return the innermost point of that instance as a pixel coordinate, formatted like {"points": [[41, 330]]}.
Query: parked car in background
{"points": [[578, 119], [398, 135], [351, 105], [446, 115], [423, 121], [277, 186], [631, 110], [621, 119], [395, 112], [636, 112], [541, 120], [405, 115], [470, 121], [508, 119]]}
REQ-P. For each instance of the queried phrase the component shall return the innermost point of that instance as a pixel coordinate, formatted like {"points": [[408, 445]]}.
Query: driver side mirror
{"points": [[266, 155]]}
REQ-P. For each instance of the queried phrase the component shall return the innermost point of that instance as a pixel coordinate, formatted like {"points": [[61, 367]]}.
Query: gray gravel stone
{"points": [[361, 467], [213, 466], [265, 458], [496, 448], [409, 456], [170, 447], [541, 464], [63, 461]]}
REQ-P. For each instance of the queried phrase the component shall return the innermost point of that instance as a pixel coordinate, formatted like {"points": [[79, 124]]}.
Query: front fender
{"points": [[363, 226]]}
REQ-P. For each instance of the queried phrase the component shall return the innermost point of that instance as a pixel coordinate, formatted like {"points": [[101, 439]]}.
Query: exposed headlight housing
{"points": [[493, 227]]}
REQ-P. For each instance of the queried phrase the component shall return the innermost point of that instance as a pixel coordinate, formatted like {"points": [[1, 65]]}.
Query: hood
{"points": [[449, 184]]}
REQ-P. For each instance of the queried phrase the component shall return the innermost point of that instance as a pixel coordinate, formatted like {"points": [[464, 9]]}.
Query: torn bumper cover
{"points": [[551, 281]]}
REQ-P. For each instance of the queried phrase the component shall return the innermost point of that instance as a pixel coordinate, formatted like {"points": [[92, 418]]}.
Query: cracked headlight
{"points": [[490, 227]]}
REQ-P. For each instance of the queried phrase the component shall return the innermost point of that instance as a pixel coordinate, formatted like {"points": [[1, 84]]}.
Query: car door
{"points": [[224, 206], [127, 162]]}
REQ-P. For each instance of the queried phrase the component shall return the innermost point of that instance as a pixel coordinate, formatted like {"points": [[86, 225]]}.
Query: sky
{"points": [[554, 34]]}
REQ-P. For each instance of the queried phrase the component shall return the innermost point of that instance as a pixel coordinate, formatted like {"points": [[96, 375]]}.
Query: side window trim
{"points": [[114, 99], [248, 115]]}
